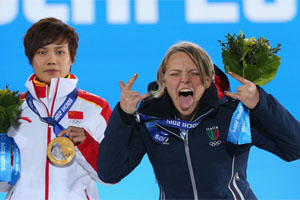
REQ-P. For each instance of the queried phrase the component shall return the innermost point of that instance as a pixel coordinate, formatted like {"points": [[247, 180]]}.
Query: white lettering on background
{"points": [[83, 11], [34, 10], [8, 11], [200, 11], [117, 11], [277, 11], [147, 11]]}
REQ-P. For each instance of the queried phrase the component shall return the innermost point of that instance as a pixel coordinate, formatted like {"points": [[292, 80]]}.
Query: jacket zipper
{"points": [[187, 153], [189, 161], [47, 161], [210, 110], [166, 130], [48, 141], [237, 178]]}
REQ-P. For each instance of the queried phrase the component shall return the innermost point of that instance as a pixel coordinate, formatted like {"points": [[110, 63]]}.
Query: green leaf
{"points": [[252, 73], [261, 55], [7, 100], [9, 108], [268, 70], [4, 122], [12, 111], [231, 62], [250, 58]]}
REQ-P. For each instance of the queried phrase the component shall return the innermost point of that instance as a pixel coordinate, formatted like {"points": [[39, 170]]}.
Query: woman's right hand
{"points": [[130, 99]]}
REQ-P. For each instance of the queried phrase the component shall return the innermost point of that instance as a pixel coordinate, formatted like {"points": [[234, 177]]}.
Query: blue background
{"points": [[109, 52]]}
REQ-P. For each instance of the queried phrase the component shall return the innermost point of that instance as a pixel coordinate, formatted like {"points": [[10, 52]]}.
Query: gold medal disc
{"points": [[61, 151]]}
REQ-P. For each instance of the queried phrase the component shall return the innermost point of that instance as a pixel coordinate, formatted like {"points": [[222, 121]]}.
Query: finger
{"points": [[144, 96], [78, 140], [132, 93], [238, 78], [62, 133], [131, 81], [240, 89], [68, 131], [231, 94], [122, 85], [77, 131]]}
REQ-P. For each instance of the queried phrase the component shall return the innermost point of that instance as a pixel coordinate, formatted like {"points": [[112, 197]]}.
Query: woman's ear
{"points": [[208, 82], [163, 81]]}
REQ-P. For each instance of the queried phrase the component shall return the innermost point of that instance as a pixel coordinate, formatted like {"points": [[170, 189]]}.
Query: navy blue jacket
{"points": [[202, 165]]}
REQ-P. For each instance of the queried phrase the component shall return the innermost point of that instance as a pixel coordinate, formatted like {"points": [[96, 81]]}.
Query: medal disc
{"points": [[61, 151]]}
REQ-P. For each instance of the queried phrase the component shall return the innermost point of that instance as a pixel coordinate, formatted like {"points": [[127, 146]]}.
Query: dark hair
{"points": [[47, 31]]}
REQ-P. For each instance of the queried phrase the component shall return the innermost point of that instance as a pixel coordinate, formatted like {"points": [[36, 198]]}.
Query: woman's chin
{"points": [[186, 113]]}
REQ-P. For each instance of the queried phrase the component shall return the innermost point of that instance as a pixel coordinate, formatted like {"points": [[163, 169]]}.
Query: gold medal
{"points": [[61, 151]]}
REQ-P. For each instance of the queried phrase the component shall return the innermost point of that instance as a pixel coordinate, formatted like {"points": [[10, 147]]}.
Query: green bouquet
{"points": [[251, 58], [9, 108]]}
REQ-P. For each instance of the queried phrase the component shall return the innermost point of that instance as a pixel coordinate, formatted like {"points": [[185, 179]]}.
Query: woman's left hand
{"points": [[76, 134], [248, 93]]}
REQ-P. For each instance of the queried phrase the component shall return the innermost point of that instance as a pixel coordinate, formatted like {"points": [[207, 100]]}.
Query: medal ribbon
{"points": [[158, 135], [6, 173], [59, 114], [239, 130]]}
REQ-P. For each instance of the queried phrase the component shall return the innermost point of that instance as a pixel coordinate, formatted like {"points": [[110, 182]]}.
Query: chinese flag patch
{"points": [[75, 115]]}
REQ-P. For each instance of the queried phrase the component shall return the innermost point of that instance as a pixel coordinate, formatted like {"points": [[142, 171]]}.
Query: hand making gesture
{"points": [[248, 93], [130, 99]]}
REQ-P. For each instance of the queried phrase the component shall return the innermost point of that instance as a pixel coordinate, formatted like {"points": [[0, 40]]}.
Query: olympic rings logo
{"points": [[75, 121], [215, 143]]}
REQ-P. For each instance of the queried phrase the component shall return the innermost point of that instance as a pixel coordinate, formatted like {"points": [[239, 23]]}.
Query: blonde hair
{"points": [[198, 56]]}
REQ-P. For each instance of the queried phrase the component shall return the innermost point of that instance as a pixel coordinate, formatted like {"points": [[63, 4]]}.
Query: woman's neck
{"points": [[186, 117], [48, 90]]}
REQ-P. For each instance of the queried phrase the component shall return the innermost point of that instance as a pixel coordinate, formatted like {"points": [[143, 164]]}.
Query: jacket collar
{"points": [[163, 107], [59, 87]]}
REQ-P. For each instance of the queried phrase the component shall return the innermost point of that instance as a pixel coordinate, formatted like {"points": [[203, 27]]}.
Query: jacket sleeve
{"points": [[87, 152], [275, 129], [122, 148]]}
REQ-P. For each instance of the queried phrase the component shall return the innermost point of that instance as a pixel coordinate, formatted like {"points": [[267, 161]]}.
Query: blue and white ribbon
{"points": [[7, 173], [158, 135], [239, 130], [59, 114]]}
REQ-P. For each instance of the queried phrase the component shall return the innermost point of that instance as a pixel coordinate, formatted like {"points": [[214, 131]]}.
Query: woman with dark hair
{"points": [[60, 127], [184, 129]]}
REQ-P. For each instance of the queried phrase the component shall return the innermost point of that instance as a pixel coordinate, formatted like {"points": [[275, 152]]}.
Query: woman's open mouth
{"points": [[185, 97]]}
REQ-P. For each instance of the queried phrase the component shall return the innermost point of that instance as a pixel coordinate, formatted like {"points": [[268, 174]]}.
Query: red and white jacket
{"points": [[39, 179]]}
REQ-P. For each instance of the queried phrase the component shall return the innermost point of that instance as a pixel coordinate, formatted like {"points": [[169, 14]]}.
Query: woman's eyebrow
{"points": [[61, 46]]}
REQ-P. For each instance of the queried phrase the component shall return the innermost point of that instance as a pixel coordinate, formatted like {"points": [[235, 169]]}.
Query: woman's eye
{"points": [[41, 52], [195, 74], [174, 74], [60, 52]]}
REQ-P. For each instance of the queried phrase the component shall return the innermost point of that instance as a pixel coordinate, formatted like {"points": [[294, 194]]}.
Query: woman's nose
{"points": [[51, 59], [185, 78]]}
